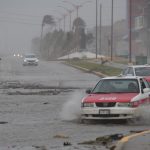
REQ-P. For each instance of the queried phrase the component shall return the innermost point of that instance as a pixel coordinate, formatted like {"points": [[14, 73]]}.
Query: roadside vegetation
{"points": [[91, 66]]}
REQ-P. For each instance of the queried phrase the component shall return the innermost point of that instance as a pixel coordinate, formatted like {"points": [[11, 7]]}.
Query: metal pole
{"points": [[41, 39], [112, 30], [100, 30], [130, 27], [96, 29], [70, 20], [77, 7], [64, 23]]}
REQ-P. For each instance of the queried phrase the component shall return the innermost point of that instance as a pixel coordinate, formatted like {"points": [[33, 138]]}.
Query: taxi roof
{"points": [[123, 77], [138, 66]]}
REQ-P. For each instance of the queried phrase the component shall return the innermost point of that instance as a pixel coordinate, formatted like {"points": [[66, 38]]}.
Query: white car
{"points": [[137, 70], [30, 59], [115, 98]]}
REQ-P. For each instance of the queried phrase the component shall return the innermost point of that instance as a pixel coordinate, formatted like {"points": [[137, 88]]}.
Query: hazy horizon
{"points": [[20, 21]]}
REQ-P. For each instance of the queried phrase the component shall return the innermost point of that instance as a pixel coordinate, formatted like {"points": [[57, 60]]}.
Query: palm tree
{"points": [[79, 29], [47, 20], [78, 23]]}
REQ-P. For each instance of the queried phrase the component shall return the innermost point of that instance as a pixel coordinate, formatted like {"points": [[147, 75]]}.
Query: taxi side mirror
{"points": [[88, 91], [146, 90]]}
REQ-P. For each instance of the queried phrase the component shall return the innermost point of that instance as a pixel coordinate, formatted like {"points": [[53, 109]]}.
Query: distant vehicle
{"points": [[30, 59], [115, 98], [18, 55], [137, 70]]}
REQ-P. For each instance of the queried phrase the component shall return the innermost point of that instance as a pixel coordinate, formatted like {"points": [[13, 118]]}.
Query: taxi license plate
{"points": [[104, 112]]}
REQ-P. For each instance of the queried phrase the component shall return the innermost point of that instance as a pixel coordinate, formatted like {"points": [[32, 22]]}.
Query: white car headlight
{"points": [[123, 104], [25, 60], [36, 60], [87, 104]]}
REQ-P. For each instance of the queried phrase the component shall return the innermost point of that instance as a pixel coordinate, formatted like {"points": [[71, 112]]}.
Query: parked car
{"points": [[30, 59], [115, 98], [137, 70]]}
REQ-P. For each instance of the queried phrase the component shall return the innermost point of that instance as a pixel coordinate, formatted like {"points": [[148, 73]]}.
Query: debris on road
{"points": [[47, 92], [137, 131], [3, 122], [107, 141], [67, 144], [40, 147], [61, 136]]}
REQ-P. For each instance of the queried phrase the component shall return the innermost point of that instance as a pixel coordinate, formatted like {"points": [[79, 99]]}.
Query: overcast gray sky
{"points": [[20, 20]]}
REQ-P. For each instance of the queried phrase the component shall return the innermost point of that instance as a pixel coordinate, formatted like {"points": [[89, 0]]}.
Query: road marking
{"points": [[120, 143], [127, 138]]}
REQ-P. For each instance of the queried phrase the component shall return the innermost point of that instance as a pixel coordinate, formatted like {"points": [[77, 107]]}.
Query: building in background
{"points": [[140, 27]]}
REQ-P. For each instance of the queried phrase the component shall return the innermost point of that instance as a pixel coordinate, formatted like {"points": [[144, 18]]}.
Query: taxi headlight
{"points": [[124, 104], [87, 104]]}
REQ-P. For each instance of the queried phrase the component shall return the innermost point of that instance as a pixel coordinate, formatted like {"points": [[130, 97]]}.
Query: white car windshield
{"points": [[117, 86], [30, 56], [142, 71]]}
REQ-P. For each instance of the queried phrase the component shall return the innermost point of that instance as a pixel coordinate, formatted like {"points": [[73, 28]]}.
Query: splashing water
{"points": [[72, 108], [144, 114]]}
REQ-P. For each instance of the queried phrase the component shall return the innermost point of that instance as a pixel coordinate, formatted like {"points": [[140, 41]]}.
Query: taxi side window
{"points": [[146, 83], [143, 85]]}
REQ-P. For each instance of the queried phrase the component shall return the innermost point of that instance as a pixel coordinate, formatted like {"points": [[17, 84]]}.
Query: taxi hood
{"points": [[112, 97]]}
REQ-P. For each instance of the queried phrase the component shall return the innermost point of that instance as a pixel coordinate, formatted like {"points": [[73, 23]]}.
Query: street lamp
{"points": [[70, 12], [77, 6], [74, 5], [59, 22], [77, 10], [100, 30], [96, 28], [64, 17], [130, 35], [112, 16]]}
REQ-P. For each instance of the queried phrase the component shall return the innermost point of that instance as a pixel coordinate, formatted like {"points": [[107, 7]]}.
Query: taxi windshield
{"points": [[117, 86]]}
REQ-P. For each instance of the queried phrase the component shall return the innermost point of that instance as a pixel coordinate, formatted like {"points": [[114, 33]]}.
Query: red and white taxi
{"points": [[115, 98]]}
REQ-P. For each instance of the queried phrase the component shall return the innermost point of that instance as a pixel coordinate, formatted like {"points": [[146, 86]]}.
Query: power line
{"points": [[19, 14], [19, 22]]}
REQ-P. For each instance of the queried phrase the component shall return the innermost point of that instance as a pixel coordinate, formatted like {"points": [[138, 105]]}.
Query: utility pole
{"points": [[130, 27], [64, 22], [96, 28], [112, 18], [100, 30], [70, 13], [41, 38]]}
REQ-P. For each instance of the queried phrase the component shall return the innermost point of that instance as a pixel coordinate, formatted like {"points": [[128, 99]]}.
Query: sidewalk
{"points": [[137, 141]]}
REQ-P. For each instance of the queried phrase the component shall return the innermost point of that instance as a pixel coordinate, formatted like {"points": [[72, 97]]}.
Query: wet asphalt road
{"points": [[50, 120]]}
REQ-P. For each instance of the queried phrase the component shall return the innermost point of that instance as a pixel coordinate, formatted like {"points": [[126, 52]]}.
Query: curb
{"points": [[120, 144]]}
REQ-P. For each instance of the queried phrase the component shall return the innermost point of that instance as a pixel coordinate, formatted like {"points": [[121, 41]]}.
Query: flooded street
{"points": [[43, 112]]}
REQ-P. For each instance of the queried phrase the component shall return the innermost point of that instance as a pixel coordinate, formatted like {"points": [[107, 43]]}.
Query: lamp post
{"points": [[64, 17], [130, 27], [96, 28], [112, 16], [70, 12], [59, 23], [77, 6], [100, 30]]}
